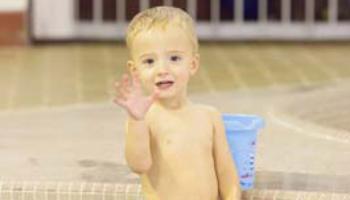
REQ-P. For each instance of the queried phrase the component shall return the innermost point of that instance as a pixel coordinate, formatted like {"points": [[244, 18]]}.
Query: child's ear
{"points": [[194, 64], [131, 67]]}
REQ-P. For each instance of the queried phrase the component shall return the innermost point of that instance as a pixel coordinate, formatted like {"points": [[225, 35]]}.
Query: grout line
{"points": [[46, 78], [104, 192], [231, 67], [115, 192], [308, 196], [93, 188], [127, 191], [58, 197], [203, 74], [252, 195], [46, 192], [34, 190], [275, 195], [70, 190], [338, 59], [288, 64], [110, 73], [1, 191], [24, 184], [11, 190], [78, 78], [316, 63], [14, 86], [82, 186], [261, 66], [285, 123], [263, 194]]}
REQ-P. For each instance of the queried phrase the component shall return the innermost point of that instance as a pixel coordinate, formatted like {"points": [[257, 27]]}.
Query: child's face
{"points": [[164, 60]]}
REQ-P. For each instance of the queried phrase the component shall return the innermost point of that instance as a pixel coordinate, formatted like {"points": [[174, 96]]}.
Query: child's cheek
{"points": [[145, 82]]}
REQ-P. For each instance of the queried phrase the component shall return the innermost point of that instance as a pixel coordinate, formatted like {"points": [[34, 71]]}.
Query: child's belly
{"points": [[196, 186], [185, 179]]}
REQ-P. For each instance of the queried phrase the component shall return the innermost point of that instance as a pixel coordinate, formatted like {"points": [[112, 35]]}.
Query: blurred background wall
{"points": [[13, 5], [25, 21], [12, 22], [216, 19]]}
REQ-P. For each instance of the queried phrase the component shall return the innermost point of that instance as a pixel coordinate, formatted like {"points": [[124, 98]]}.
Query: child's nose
{"points": [[162, 68], [162, 71]]}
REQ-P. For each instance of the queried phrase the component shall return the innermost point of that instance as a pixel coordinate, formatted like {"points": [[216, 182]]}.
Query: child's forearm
{"points": [[235, 194], [230, 189], [137, 146]]}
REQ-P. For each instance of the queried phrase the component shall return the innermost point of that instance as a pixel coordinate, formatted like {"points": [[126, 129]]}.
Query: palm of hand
{"points": [[130, 96]]}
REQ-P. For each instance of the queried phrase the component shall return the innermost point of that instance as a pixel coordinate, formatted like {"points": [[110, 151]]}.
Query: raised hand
{"points": [[131, 97]]}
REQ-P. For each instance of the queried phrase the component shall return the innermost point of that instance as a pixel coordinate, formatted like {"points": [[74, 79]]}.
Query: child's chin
{"points": [[166, 94]]}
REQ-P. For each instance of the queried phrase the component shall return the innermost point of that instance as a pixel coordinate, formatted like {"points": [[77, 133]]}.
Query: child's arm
{"points": [[137, 145], [225, 168]]}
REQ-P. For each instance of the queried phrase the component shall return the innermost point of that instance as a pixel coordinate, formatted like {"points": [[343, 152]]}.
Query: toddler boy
{"points": [[178, 148]]}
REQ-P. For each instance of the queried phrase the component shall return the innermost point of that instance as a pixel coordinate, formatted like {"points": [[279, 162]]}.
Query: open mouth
{"points": [[164, 84]]}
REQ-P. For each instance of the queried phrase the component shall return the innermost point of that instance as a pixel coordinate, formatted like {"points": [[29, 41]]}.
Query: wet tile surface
{"points": [[56, 82], [46, 76], [302, 182]]}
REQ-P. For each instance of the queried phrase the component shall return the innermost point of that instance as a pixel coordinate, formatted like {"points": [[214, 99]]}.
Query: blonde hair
{"points": [[161, 17]]}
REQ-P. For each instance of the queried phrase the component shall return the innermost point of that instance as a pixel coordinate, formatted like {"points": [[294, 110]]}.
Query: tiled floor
{"points": [[46, 76], [58, 125]]}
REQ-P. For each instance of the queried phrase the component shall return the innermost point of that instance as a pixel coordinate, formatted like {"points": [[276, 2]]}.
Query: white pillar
{"points": [[239, 11], [262, 11], [310, 11], [215, 11], [53, 19], [286, 11], [168, 2], [97, 11], [333, 11], [121, 7], [192, 8], [144, 4]]}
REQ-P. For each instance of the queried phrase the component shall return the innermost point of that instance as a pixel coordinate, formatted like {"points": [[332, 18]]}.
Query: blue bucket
{"points": [[241, 134]]}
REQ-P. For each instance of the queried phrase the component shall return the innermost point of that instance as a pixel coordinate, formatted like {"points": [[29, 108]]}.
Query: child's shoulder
{"points": [[207, 108]]}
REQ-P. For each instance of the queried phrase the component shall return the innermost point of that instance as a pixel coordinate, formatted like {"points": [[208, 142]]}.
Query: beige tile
{"points": [[72, 73]]}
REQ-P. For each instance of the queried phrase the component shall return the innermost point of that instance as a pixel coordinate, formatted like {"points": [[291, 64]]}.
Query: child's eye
{"points": [[148, 61], [175, 58]]}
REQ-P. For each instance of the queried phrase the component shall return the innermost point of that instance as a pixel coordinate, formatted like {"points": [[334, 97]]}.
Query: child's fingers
{"points": [[136, 81], [125, 80], [124, 84], [125, 90], [116, 85], [121, 91], [120, 102]]}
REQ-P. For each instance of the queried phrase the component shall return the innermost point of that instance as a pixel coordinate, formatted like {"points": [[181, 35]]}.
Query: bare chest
{"points": [[187, 135]]}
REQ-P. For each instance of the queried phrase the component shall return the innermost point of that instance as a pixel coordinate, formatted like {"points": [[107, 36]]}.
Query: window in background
{"points": [[85, 10], [226, 10], [203, 10], [251, 10], [109, 8], [321, 10], [154, 3], [274, 10], [298, 10], [344, 10], [180, 4], [132, 8]]}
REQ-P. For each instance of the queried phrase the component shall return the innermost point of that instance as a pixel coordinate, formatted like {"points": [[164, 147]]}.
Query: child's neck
{"points": [[174, 103]]}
